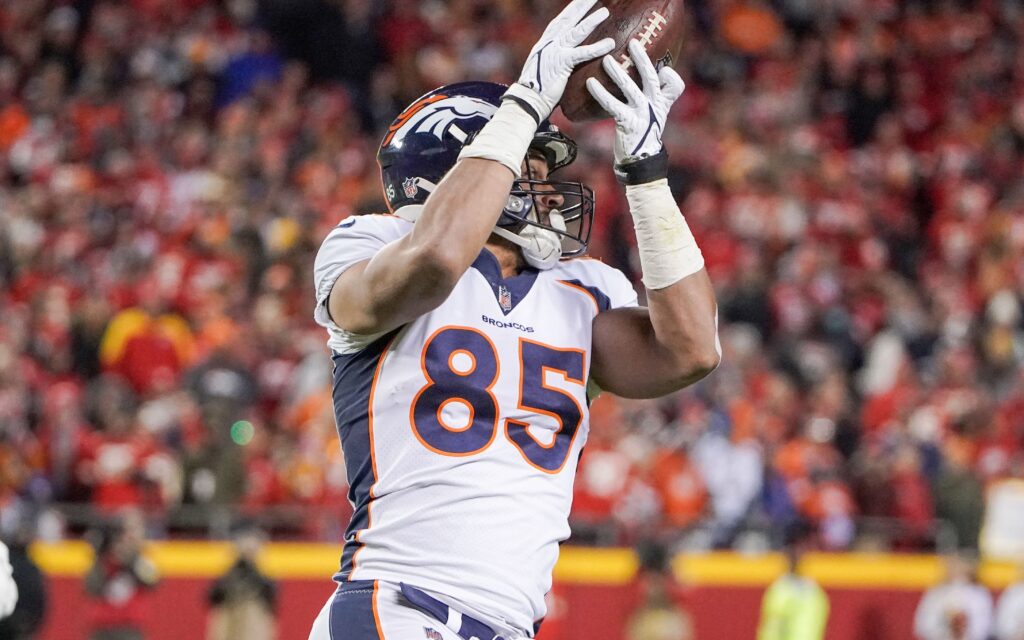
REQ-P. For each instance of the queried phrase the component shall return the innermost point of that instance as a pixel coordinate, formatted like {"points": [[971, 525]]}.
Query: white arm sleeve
{"points": [[1010, 614], [928, 618], [355, 240], [8, 587], [981, 612]]}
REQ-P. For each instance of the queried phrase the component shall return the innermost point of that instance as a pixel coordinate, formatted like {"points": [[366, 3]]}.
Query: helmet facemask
{"points": [[562, 232]]}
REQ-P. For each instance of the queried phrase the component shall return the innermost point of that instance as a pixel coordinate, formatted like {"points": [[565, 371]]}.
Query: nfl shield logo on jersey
{"points": [[432, 634], [504, 298], [410, 187]]}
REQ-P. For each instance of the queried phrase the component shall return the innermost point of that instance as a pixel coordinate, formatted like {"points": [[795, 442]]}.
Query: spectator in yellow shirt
{"points": [[794, 606]]}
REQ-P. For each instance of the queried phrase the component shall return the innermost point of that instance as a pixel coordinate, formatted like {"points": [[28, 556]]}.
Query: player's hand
{"points": [[556, 54], [639, 121], [8, 588]]}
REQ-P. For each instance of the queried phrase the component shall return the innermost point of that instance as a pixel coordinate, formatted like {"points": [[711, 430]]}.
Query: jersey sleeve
{"points": [[355, 240], [609, 285], [620, 290]]}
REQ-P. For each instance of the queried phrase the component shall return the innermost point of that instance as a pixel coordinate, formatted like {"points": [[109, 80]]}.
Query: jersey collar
{"points": [[508, 292]]}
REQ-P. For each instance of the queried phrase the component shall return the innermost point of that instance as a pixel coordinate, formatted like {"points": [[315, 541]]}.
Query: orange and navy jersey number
{"points": [[471, 386]]}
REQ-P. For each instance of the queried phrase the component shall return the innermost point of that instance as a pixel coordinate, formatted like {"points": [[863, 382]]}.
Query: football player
{"points": [[468, 336]]}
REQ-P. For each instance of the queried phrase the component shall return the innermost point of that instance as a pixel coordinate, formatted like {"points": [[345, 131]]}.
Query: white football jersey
{"points": [[462, 429]]}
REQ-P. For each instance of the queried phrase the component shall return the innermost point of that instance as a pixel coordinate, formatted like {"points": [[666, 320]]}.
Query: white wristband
{"points": [[668, 250], [505, 138]]}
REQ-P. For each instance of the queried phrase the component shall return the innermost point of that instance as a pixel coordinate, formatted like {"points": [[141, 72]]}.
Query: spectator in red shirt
{"points": [[911, 498], [121, 464]]}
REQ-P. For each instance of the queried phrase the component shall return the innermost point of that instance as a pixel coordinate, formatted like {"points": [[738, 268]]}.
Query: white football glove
{"points": [[640, 121], [8, 587], [556, 54]]}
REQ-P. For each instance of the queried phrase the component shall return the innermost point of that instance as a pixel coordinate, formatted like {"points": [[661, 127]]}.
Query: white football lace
{"points": [[655, 24]]}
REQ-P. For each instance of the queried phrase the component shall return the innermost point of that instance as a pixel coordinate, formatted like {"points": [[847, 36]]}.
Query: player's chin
{"points": [[496, 241]]}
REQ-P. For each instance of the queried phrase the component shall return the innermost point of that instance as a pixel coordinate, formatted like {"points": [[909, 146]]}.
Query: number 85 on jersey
{"points": [[456, 413]]}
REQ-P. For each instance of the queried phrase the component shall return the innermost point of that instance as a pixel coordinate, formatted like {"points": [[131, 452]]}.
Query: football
{"points": [[657, 24]]}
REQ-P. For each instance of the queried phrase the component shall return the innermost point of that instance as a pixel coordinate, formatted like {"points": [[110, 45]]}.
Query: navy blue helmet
{"points": [[424, 141]]}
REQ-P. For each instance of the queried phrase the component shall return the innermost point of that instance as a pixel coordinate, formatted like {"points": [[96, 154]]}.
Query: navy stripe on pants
{"points": [[352, 612]]}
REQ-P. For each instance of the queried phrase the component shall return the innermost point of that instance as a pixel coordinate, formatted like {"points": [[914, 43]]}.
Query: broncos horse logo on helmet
{"points": [[423, 144], [438, 120]]}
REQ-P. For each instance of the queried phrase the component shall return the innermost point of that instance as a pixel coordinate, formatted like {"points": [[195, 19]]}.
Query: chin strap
{"points": [[542, 248], [411, 212]]}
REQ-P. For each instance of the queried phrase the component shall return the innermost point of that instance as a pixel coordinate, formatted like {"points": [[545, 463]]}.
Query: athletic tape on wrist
{"points": [[505, 138], [642, 170], [532, 101], [527, 107], [668, 250]]}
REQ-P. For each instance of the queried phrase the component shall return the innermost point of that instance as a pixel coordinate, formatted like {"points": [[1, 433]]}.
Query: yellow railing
{"points": [[576, 565]]}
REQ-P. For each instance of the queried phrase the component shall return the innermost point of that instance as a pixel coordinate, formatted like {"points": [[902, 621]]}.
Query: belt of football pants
{"points": [[466, 627]]}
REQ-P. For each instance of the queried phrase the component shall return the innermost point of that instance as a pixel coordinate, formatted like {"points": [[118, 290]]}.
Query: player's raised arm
{"points": [[674, 342], [416, 273]]}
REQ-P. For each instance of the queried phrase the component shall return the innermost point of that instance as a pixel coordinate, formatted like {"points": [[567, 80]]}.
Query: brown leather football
{"points": [[658, 24]]}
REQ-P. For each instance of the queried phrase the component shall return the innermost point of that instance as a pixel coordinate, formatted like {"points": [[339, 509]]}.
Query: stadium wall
{"points": [[872, 595]]}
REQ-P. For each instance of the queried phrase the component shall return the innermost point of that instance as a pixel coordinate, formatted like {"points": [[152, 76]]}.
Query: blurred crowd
{"points": [[852, 169]]}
